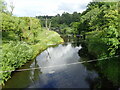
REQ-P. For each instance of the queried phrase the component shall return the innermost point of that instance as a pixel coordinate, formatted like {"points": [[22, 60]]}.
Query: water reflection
{"points": [[68, 76], [108, 70], [58, 56], [72, 76]]}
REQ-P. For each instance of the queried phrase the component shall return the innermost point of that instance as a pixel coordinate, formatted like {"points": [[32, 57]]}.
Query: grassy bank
{"points": [[16, 53], [23, 39], [46, 39]]}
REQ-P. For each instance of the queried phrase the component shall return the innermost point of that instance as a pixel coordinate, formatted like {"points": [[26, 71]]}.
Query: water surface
{"points": [[64, 76]]}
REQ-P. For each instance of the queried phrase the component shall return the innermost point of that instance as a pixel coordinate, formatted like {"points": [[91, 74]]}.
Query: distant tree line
{"points": [[60, 22]]}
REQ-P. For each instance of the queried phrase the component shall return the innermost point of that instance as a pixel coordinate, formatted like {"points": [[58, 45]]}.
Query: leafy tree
{"points": [[75, 26], [101, 20], [58, 21]]}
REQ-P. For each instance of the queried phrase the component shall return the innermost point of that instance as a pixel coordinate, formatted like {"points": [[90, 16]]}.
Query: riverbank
{"points": [[17, 53], [107, 65]]}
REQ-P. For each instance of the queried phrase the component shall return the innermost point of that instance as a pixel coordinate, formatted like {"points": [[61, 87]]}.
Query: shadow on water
{"points": [[108, 70], [86, 75]]}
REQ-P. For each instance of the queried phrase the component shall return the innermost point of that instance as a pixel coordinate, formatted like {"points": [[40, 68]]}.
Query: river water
{"points": [[64, 76]]}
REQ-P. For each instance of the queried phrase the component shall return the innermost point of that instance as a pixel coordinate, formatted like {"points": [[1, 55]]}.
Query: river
{"points": [[58, 71]]}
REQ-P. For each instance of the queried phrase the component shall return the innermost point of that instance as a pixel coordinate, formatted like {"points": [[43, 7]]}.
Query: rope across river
{"points": [[59, 65]]}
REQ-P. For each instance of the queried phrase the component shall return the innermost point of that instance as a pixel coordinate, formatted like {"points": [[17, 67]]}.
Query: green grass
{"points": [[45, 39]]}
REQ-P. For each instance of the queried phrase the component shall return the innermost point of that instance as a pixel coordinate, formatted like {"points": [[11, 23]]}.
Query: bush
{"points": [[14, 55]]}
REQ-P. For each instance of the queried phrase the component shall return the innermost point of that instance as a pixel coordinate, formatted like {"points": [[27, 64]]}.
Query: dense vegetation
{"points": [[61, 23], [100, 24], [22, 39]]}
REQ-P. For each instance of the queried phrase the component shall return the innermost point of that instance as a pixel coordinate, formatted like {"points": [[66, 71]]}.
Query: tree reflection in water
{"points": [[108, 70]]}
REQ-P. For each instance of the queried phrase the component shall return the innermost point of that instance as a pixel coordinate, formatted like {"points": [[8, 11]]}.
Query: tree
{"points": [[101, 20]]}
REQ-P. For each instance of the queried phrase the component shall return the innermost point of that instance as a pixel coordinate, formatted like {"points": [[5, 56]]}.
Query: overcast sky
{"points": [[47, 7]]}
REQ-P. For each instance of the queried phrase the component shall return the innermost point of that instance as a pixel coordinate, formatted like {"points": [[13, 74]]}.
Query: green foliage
{"points": [[33, 23], [24, 27], [75, 26], [98, 47], [14, 55], [67, 31], [59, 21], [23, 39], [9, 22], [101, 21]]}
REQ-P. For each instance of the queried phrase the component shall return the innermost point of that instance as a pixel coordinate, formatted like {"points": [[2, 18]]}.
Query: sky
{"points": [[46, 7]]}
